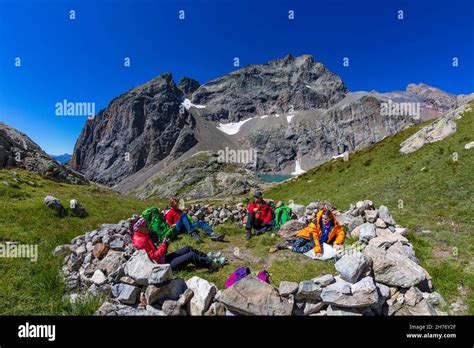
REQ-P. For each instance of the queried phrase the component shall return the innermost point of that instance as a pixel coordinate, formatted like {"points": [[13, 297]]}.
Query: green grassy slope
{"points": [[436, 193], [35, 287]]}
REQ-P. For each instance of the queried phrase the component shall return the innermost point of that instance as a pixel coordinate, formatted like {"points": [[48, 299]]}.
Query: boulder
{"points": [[99, 278], [401, 230], [341, 311], [170, 290], [367, 232], [384, 291], [356, 221], [204, 293], [324, 280], [371, 215], [413, 296], [100, 250], [170, 307], [404, 250], [127, 294], [379, 223], [54, 204], [351, 266], [145, 271], [290, 229], [62, 249], [345, 219], [185, 297], [385, 215], [422, 308], [117, 244], [393, 269], [287, 288], [112, 261], [77, 209], [216, 309], [297, 209], [387, 240], [308, 290], [361, 206], [312, 306], [261, 298], [343, 294]]}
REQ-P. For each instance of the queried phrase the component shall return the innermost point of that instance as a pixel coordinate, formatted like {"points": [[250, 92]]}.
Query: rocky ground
{"points": [[378, 275], [200, 176]]}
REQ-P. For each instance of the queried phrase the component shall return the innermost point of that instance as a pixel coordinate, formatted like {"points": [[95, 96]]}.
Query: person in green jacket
{"points": [[157, 224], [282, 214]]}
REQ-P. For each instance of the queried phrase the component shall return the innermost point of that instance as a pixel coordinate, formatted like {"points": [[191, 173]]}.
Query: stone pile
{"points": [[382, 278]]}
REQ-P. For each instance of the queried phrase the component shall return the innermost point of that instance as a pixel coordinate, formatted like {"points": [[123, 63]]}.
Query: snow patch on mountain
{"points": [[231, 128], [187, 104], [298, 170]]}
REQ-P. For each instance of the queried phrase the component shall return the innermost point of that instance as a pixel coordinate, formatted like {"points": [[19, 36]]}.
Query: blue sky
{"points": [[82, 59]]}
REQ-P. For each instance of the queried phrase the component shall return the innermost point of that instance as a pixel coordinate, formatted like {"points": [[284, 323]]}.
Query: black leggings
{"points": [[185, 256]]}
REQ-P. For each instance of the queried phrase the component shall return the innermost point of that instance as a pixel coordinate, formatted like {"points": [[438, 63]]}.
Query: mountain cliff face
{"points": [[17, 150], [293, 111], [279, 86], [139, 128]]}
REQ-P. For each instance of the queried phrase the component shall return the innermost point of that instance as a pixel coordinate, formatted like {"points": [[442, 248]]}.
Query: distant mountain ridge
{"points": [[63, 159]]}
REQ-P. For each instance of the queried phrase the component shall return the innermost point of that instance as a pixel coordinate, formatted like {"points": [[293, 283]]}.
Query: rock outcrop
{"points": [[17, 150], [437, 130], [202, 175], [137, 129]]}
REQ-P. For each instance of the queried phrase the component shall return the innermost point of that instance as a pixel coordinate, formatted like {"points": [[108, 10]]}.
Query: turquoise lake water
{"points": [[270, 178]]}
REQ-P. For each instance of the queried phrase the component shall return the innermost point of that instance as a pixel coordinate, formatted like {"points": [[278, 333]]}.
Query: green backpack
{"points": [[157, 224], [282, 216]]}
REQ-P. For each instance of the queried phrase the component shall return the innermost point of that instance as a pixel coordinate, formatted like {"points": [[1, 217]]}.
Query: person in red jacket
{"points": [[177, 259], [259, 216], [176, 217]]}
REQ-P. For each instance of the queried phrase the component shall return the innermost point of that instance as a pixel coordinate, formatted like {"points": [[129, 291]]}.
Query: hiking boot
{"points": [[217, 237], [196, 237], [248, 235], [282, 246], [220, 261], [214, 266]]}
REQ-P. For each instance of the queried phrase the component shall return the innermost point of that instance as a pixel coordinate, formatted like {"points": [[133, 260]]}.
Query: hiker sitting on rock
{"points": [[259, 216], [323, 229], [183, 223], [177, 259]]}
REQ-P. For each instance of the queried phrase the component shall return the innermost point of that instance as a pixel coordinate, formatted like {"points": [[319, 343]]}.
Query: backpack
{"points": [[282, 216], [237, 275], [157, 224], [264, 276]]}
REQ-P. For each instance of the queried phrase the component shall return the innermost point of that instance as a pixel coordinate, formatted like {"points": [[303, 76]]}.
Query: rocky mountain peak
{"points": [[188, 86], [279, 86], [433, 95]]}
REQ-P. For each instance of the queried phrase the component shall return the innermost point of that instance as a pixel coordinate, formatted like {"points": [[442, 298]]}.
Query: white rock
{"points": [[99, 277], [204, 293]]}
